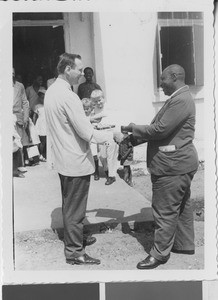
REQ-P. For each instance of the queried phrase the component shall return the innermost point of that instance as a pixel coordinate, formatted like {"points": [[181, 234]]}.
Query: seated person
{"points": [[109, 151], [40, 124], [85, 89]]}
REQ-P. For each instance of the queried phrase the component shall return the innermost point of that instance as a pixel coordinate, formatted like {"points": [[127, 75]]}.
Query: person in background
{"points": [[108, 152], [19, 78], [17, 151], [70, 133], [40, 124], [87, 106], [50, 81], [21, 111], [24, 125], [30, 148], [172, 161], [32, 93], [85, 89]]}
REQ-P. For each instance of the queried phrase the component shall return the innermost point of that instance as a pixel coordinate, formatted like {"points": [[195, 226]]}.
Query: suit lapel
{"points": [[163, 109]]}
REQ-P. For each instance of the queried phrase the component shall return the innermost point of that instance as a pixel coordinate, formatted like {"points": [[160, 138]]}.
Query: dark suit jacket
{"points": [[173, 125]]}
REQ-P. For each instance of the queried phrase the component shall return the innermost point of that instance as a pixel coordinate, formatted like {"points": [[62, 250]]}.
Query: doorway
{"points": [[36, 50]]}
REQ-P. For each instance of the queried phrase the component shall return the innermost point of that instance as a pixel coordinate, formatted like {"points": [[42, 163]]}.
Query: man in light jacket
{"points": [[70, 134]]}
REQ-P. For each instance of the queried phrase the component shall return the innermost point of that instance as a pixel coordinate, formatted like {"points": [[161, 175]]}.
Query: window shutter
{"points": [[198, 36]]}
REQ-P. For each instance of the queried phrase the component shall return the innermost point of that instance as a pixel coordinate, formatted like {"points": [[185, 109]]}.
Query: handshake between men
{"points": [[120, 136]]}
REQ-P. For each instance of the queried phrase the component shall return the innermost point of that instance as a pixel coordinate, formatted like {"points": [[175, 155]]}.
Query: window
{"points": [[180, 41], [37, 16], [180, 15]]}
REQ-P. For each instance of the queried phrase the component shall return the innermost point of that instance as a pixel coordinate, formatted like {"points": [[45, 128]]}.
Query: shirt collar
{"points": [[185, 86], [63, 82]]}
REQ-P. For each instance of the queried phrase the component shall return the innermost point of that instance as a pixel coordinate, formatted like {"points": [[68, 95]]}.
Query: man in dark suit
{"points": [[172, 161]]}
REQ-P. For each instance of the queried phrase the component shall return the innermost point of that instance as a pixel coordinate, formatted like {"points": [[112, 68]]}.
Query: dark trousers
{"points": [[17, 161], [173, 214], [42, 145], [74, 201]]}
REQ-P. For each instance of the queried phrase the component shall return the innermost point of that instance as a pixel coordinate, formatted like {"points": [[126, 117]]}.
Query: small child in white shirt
{"points": [[109, 151], [88, 108]]}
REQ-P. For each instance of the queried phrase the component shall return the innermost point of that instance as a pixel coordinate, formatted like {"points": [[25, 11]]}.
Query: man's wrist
{"points": [[126, 128]]}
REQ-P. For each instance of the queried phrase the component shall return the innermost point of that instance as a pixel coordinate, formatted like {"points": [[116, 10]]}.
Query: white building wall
{"points": [[128, 44], [121, 47], [79, 38]]}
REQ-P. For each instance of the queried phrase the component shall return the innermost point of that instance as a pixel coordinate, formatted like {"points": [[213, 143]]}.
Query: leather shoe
{"points": [[83, 260], [189, 252], [110, 180], [89, 241], [149, 263], [96, 177], [19, 174], [22, 169]]}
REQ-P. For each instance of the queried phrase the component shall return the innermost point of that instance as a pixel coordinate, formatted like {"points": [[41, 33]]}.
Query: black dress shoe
{"points": [[149, 263], [96, 177], [189, 252], [83, 260], [110, 180], [19, 174], [89, 241]]}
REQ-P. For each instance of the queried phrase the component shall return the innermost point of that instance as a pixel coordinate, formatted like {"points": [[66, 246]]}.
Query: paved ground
{"points": [[118, 215], [37, 201]]}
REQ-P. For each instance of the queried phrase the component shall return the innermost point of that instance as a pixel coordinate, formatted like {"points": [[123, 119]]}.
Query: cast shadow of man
{"points": [[142, 231]]}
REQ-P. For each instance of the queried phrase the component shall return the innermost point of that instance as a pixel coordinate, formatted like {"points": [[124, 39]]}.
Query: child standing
{"points": [[88, 108], [40, 123], [109, 151]]}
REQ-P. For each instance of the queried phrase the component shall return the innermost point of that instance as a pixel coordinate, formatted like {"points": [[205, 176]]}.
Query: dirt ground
{"points": [[118, 248]]}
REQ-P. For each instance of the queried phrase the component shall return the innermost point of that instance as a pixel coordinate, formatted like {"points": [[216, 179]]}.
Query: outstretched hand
{"points": [[118, 137], [128, 128]]}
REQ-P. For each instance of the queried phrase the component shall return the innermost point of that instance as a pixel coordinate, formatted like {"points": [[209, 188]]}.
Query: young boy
{"points": [[109, 151], [40, 123], [88, 108]]}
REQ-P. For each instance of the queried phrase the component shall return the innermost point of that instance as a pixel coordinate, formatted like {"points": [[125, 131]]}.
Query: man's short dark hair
{"points": [[66, 59], [88, 69]]}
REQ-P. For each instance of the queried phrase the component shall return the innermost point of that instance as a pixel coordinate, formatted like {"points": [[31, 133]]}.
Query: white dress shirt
{"points": [[70, 131]]}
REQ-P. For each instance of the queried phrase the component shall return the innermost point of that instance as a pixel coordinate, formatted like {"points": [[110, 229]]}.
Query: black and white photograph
{"points": [[112, 170]]}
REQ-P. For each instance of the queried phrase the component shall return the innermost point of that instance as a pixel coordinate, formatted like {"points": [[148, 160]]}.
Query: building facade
{"points": [[127, 51]]}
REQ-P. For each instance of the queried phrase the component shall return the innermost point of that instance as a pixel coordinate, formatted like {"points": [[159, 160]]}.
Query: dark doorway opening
{"points": [[177, 48], [36, 50]]}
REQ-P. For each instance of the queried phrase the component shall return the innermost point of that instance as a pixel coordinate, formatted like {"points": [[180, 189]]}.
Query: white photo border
{"points": [[11, 276]]}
